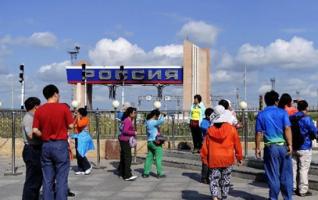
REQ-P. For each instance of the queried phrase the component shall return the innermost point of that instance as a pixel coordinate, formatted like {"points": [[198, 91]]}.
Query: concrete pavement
{"points": [[104, 184]]}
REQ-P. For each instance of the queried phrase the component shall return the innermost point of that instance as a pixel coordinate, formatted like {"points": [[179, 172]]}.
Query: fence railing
{"points": [[176, 124]]}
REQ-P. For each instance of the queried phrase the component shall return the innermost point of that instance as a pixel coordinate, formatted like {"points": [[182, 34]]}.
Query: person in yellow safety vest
{"points": [[196, 116]]}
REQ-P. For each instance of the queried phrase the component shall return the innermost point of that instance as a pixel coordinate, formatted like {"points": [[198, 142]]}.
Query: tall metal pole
{"points": [[73, 54], [273, 83], [21, 80], [85, 93], [115, 124], [22, 94], [245, 83], [85, 84], [317, 99], [13, 144], [122, 78], [237, 98], [123, 93], [12, 94]]}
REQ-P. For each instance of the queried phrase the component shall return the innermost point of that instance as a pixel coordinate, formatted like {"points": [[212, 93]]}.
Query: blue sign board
{"points": [[144, 75]]}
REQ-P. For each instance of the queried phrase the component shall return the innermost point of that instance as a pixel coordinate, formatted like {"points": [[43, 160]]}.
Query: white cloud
{"points": [[4, 52], [115, 52], [199, 32], [43, 39], [294, 30], [123, 52], [39, 39], [264, 88], [173, 51], [53, 72], [226, 61], [298, 52], [221, 76]]}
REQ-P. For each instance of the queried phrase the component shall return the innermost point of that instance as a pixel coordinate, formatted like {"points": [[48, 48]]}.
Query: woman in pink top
{"points": [[127, 131], [285, 102]]}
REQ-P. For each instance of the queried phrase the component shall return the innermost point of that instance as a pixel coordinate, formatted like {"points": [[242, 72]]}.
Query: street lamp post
{"points": [[157, 104], [74, 104], [122, 79], [84, 79], [243, 106], [115, 105]]}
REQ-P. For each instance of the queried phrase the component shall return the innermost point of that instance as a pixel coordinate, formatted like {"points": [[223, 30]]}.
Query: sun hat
{"points": [[219, 116], [126, 105]]}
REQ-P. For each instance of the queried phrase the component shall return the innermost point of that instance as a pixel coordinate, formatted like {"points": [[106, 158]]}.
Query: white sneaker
{"points": [[88, 171], [132, 178], [79, 173]]}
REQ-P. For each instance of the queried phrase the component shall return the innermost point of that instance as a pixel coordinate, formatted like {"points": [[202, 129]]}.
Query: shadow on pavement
{"points": [[141, 171], [193, 176], [115, 164], [245, 195], [259, 184], [194, 195]]}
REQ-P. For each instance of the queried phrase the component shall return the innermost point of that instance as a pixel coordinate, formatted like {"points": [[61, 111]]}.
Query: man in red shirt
{"points": [[51, 122]]}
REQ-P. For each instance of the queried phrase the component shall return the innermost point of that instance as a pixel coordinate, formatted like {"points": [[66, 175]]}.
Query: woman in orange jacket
{"points": [[220, 148], [81, 122]]}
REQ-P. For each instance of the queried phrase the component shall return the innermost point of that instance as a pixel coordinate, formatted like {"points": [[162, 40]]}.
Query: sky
{"points": [[272, 39]]}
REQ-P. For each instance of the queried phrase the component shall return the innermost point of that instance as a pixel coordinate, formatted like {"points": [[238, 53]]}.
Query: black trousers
{"points": [[33, 175], [125, 160], [205, 173], [196, 137], [82, 162]]}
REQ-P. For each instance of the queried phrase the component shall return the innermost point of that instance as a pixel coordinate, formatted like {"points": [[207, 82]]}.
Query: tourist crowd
{"points": [[286, 131]]}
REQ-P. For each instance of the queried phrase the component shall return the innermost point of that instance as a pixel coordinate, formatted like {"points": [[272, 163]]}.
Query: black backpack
{"points": [[298, 139]]}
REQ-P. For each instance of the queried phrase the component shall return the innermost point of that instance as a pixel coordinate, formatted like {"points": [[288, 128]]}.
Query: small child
{"points": [[205, 124]]}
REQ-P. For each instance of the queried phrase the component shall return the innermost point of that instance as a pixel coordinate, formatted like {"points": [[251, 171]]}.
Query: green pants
{"points": [[154, 153]]}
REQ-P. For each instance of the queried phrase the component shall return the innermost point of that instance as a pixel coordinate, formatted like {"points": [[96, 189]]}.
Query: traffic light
{"points": [[83, 72], [21, 74]]}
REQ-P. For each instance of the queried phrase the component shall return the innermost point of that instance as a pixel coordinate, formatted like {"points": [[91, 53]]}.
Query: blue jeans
{"points": [[279, 172], [55, 168]]}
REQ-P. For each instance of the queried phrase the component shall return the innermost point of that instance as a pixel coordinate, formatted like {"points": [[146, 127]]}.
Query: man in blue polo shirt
{"points": [[273, 124]]}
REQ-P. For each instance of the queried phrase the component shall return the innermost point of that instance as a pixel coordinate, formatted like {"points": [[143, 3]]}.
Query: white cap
{"points": [[126, 105], [219, 114], [230, 104]]}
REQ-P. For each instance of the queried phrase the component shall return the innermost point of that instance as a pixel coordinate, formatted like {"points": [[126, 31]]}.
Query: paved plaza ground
{"points": [[103, 184]]}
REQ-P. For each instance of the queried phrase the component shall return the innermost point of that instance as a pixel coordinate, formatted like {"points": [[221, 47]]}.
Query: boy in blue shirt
{"points": [[302, 148], [205, 124]]}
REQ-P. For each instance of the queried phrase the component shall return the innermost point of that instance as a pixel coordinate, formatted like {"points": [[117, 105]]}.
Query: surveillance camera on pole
{"points": [[84, 79], [21, 80]]}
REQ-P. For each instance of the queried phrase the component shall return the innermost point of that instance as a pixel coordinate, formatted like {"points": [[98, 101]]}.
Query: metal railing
{"points": [[104, 125]]}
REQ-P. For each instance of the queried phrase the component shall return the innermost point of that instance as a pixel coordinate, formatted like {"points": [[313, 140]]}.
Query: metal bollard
{"points": [[115, 123], [13, 168], [135, 148], [173, 132], [97, 138], [245, 118]]}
